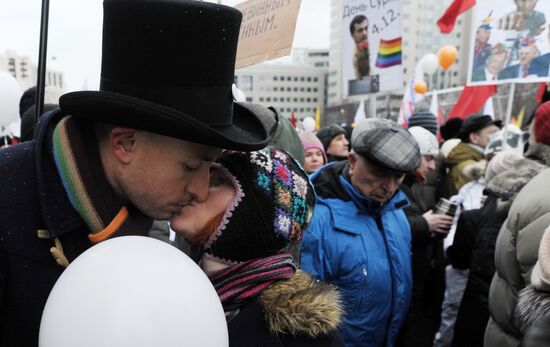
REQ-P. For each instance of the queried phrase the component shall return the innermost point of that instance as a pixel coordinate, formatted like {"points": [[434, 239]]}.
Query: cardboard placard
{"points": [[267, 30]]}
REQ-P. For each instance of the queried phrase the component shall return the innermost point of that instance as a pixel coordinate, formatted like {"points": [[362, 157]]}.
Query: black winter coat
{"points": [[428, 265]]}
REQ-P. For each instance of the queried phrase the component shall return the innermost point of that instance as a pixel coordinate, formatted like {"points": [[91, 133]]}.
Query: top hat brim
{"points": [[246, 133]]}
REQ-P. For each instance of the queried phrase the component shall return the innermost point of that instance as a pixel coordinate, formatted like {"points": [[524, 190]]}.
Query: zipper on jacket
{"points": [[380, 226]]}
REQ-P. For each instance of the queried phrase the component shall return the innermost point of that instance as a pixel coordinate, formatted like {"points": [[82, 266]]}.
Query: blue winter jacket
{"points": [[363, 249]]}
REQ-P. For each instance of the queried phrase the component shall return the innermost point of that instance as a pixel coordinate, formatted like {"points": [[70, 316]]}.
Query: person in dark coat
{"points": [[428, 261], [83, 180], [259, 203], [506, 174], [335, 142]]}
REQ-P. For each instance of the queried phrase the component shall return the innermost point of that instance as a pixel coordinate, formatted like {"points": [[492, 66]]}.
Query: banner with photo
{"points": [[371, 46], [510, 42]]}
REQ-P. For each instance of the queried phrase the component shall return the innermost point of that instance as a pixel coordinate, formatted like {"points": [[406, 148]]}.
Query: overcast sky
{"points": [[75, 33]]}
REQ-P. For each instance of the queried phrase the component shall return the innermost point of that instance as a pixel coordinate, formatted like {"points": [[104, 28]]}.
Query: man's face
{"points": [[526, 54], [526, 6], [374, 182], [495, 63], [482, 35], [481, 137], [360, 31], [339, 146], [427, 165], [164, 174]]}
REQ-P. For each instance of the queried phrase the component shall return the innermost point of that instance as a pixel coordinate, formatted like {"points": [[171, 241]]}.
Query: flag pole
{"points": [[508, 115], [40, 84]]}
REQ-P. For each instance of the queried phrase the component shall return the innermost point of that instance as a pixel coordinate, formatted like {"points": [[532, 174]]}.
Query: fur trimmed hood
{"points": [[508, 184], [539, 152], [531, 307], [302, 306]]}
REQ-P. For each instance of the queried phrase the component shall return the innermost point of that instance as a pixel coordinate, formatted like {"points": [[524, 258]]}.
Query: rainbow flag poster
{"points": [[389, 53]]}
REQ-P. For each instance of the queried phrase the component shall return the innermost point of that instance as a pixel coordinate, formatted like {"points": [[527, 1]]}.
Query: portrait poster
{"points": [[372, 54], [267, 30], [510, 42]]}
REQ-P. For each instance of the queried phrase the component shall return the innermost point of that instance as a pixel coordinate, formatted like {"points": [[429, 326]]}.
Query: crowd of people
{"points": [[372, 235]]}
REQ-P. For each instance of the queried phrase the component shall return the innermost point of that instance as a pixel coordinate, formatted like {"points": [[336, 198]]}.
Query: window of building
{"points": [[309, 79], [288, 78], [275, 78], [288, 99], [295, 109], [288, 89], [301, 109], [302, 79], [247, 83], [309, 89], [295, 99], [261, 98], [295, 89], [275, 89], [301, 99], [275, 99], [288, 109], [249, 99], [315, 79], [314, 99], [308, 99], [295, 78], [268, 99], [315, 90], [302, 89]]}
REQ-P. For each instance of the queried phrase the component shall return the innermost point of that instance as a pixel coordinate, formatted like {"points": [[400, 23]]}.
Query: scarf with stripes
{"points": [[238, 284], [78, 163]]}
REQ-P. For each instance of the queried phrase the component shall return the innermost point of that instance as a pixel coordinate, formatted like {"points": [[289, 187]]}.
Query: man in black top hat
{"points": [[474, 134], [109, 161]]}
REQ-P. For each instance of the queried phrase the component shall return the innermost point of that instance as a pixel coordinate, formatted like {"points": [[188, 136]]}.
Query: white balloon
{"points": [[429, 63], [10, 94], [133, 291], [308, 124]]}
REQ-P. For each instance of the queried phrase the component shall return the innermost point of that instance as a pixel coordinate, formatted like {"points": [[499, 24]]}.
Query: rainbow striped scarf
{"points": [[238, 284], [79, 165]]}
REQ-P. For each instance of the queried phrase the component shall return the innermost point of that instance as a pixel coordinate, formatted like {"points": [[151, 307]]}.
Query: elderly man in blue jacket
{"points": [[359, 239]]}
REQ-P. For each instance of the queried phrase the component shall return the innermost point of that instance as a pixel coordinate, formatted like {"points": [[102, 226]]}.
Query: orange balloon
{"points": [[420, 87], [447, 56]]}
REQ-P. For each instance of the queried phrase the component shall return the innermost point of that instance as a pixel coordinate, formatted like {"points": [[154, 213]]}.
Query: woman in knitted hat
{"points": [[314, 152], [258, 206]]}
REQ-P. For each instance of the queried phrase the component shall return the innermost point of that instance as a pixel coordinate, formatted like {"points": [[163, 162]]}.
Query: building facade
{"points": [[289, 88], [26, 72]]}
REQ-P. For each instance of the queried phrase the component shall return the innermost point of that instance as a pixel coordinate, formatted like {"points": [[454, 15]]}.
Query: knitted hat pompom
{"points": [[273, 205]]}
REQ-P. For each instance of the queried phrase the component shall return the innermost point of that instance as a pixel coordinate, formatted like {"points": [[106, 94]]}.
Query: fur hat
{"points": [[309, 140], [273, 204], [542, 124], [168, 67], [451, 128]]}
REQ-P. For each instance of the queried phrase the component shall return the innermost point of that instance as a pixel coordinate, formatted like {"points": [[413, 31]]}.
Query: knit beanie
{"points": [[542, 124], [273, 204], [326, 134], [309, 140], [427, 142], [501, 162], [425, 120]]}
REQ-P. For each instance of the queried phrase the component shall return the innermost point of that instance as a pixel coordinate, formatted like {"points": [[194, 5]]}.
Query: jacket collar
{"points": [[57, 213]]}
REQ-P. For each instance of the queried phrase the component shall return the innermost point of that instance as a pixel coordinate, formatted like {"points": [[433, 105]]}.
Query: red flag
{"points": [[540, 93], [471, 100], [447, 22], [293, 120]]}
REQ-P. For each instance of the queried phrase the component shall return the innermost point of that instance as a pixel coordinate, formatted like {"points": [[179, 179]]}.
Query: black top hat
{"points": [[168, 67]]}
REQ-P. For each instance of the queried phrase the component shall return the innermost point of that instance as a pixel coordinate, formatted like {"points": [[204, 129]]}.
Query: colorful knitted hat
{"points": [[309, 140], [273, 204]]}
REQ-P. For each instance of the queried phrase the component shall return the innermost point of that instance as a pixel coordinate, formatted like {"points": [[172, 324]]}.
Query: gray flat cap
{"points": [[386, 144]]}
